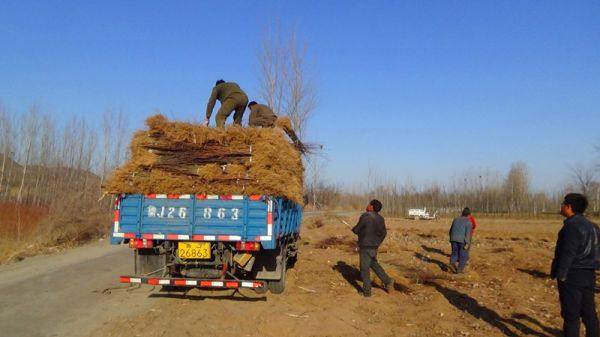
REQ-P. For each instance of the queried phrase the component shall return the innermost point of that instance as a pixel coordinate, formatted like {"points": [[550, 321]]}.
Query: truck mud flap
{"points": [[192, 282]]}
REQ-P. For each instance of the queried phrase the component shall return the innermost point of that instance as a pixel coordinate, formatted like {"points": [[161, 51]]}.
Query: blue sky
{"points": [[420, 89]]}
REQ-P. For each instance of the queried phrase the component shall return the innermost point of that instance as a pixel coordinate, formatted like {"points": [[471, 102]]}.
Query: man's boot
{"points": [[389, 286]]}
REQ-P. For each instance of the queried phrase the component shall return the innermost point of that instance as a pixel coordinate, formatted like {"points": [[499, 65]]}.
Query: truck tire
{"points": [[262, 290], [291, 262], [278, 286]]}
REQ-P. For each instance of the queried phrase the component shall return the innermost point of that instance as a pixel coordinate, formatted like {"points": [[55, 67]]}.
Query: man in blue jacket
{"points": [[371, 232], [460, 239], [576, 259]]}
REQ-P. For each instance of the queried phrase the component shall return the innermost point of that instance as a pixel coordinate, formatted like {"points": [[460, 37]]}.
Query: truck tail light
{"points": [[247, 246], [117, 203], [141, 243]]}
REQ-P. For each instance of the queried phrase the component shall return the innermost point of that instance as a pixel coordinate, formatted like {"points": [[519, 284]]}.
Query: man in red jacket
{"points": [[473, 222]]}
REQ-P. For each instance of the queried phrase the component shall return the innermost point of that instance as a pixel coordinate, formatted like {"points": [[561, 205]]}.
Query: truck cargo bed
{"points": [[202, 217]]}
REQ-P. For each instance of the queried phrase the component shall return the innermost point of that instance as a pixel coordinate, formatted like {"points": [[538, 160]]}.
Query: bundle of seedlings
{"points": [[185, 158]]}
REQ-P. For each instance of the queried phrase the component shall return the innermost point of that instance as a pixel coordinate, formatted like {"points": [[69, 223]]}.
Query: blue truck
{"points": [[208, 241]]}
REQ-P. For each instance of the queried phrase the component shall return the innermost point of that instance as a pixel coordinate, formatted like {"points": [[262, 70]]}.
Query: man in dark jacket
{"points": [[460, 239], [371, 232], [232, 97], [576, 258]]}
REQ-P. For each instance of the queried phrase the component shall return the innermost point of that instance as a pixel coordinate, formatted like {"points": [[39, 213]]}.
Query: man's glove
{"points": [[467, 246]]}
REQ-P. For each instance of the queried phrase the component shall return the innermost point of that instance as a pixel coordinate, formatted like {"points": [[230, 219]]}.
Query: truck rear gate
{"points": [[208, 241], [204, 218]]}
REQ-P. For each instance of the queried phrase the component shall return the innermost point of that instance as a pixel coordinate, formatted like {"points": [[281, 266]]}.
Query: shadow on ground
{"points": [[442, 265], [434, 250], [351, 274], [427, 236], [525, 317], [182, 294], [535, 273], [511, 327]]}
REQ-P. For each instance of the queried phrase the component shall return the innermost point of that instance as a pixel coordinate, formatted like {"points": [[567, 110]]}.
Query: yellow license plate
{"points": [[193, 250]]}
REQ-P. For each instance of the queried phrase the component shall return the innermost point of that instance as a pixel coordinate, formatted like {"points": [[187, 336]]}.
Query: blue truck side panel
{"points": [[244, 218]]}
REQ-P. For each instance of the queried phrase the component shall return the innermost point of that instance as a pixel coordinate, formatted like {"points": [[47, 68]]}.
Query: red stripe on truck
{"points": [[189, 282], [179, 282]]}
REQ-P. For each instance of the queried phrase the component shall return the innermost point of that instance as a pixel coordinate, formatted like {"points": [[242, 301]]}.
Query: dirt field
{"points": [[506, 291]]}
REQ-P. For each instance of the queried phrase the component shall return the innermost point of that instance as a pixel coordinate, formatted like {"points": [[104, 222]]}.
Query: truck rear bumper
{"points": [[192, 282]]}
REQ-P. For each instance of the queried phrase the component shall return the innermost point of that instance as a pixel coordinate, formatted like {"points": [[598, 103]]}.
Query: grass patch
{"points": [[337, 242]]}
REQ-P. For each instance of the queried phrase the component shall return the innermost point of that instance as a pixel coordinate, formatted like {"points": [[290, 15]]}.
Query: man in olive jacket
{"points": [[576, 259], [232, 97], [261, 115], [371, 232]]}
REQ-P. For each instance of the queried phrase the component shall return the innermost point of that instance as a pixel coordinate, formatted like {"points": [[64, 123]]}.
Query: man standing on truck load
{"points": [[576, 259], [232, 97], [460, 240], [371, 232]]}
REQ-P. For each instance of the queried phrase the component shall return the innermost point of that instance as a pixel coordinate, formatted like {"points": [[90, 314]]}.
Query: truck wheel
{"points": [[262, 290], [278, 286], [291, 262]]}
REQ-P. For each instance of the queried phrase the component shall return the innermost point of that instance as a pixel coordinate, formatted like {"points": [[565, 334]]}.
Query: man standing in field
{"points": [[371, 233], [460, 240], [232, 97], [576, 259]]}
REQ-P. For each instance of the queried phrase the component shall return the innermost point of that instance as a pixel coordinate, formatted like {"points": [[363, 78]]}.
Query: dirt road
{"points": [[506, 291], [68, 293]]}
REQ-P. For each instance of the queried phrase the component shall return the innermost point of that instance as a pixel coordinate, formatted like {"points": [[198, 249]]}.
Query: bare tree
{"points": [[301, 98], [5, 148], [516, 187], [583, 177], [29, 131], [273, 69], [285, 81]]}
